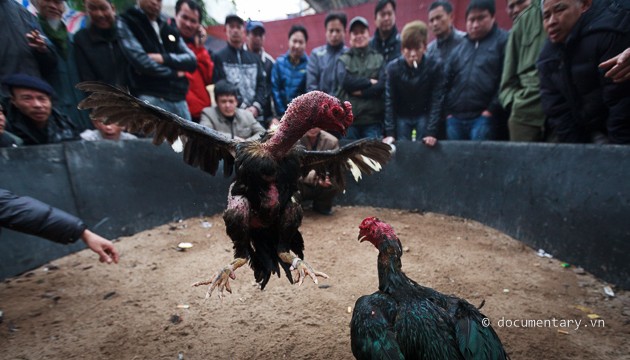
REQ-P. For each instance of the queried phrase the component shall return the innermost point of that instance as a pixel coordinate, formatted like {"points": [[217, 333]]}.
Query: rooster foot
{"points": [[220, 280], [304, 269]]}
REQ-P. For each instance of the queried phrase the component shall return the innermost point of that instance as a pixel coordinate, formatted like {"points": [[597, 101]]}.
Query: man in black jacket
{"points": [[386, 39], [473, 74], [581, 104], [33, 217], [158, 56], [413, 89], [31, 116], [241, 68]]}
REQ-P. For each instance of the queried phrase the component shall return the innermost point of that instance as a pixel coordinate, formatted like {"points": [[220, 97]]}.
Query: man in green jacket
{"points": [[361, 76], [520, 86]]}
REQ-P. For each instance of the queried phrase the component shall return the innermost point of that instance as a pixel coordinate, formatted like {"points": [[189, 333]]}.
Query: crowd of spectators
{"points": [[560, 74]]}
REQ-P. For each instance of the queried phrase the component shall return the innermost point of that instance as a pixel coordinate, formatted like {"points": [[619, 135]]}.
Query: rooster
{"points": [[263, 213], [405, 320]]}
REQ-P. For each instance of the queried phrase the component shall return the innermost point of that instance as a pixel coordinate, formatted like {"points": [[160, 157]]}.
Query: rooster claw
{"points": [[220, 280], [304, 269]]}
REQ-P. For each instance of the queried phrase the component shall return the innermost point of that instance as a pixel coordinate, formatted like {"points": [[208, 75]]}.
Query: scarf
{"points": [[58, 37]]}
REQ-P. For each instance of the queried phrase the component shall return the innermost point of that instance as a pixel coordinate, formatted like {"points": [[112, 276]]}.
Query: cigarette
{"points": [[415, 64]]}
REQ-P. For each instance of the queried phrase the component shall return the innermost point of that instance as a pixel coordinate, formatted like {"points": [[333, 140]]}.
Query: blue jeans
{"points": [[405, 125], [176, 107], [372, 131], [479, 128]]}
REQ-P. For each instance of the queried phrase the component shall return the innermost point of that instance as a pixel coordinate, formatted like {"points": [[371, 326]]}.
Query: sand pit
{"points": [[80, 309]]}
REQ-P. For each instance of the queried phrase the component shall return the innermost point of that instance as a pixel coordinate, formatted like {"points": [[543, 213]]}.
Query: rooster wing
{"points": [[361, 156], [203, 147]]}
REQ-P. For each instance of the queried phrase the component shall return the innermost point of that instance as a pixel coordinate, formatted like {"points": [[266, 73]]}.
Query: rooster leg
{"points": [[221, 279], [302, 267]]}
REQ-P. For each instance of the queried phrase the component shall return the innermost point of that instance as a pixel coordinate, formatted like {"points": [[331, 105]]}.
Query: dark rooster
{"points": [[405, 320], [263, 212]]}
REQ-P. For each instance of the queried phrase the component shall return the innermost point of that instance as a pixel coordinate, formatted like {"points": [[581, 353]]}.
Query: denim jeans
{"points": [[372, 131], [405, 125], [176, 107], [479, 128]]}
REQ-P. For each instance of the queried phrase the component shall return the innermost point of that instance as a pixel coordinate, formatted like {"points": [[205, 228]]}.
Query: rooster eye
{"points": [[337, 112]]}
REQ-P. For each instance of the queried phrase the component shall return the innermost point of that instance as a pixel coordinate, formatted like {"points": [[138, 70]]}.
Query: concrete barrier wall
{"points": [[571, 200]]}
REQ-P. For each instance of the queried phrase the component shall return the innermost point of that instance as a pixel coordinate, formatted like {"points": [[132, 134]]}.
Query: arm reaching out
{"points": [[618, 67], [103, 247]]}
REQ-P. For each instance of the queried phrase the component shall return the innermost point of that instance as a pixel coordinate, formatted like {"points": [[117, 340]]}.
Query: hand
{"points": [[36, 41], [389, 140], [373, 81], [103, 247], [253, 110], [429, 141], [486, 113], [274, 123], [619, 67], [325, 183], [356, 93], [158, 58], [200, 38]]}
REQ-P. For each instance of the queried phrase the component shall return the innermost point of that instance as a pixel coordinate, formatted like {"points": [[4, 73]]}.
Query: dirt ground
{"points": [[80, 309]]}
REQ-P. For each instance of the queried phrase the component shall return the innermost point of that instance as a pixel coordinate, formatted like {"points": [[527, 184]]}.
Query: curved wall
{"points": [[571, 200]]}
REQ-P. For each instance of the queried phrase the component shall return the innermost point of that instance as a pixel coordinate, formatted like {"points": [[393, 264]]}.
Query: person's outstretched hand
{"points": [[104, 248], [618, 67]]}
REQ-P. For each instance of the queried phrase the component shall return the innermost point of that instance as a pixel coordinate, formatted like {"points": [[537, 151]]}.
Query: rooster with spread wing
{"points": [[263, 213]]}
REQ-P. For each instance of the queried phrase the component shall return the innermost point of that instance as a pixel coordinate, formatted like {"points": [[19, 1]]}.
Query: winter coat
{"points": [[389, 48], [198, 97], [147, 76], [99, 56], [413, 92], [16, 56], [473, 74], [320, 71], [288, 81], [354, 70], [441, 49], [520, 86], [243, 69], [243, 125], [59, 128], [31, 216], [576, 97]]}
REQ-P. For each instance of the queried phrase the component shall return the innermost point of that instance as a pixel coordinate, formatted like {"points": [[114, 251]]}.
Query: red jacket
{"points": [[197, 96]]}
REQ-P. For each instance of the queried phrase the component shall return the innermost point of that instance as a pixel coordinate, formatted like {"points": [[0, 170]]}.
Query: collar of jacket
{"points": [[335, 49], [489, 35], [447, 39], [100, 35], [392, 37]]}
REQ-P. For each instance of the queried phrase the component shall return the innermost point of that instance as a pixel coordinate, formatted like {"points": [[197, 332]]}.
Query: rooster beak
{"points": [[362, 238]]}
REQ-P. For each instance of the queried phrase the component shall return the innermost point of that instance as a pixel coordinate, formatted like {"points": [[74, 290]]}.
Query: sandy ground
{"points": [[80, 309]]}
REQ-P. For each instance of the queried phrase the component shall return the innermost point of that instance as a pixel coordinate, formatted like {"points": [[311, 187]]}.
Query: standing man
{"points": [[255, 43], [320, 71], [361, 75], [241, 68], [188, 15], [158, 56], [520, 86], [447, 37], [386, 39], [65, 76], [473, 75], [24, 49], [581, 104]]}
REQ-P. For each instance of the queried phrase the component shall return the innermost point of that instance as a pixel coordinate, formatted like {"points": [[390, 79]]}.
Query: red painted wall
{"points": [[276, 39]]}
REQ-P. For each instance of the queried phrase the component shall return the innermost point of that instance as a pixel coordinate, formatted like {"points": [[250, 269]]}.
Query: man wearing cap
{"points": [[320, 71], [386, 39], [255, 42], [31, 116], [362, 81], [158, 56], [241, 68]]}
